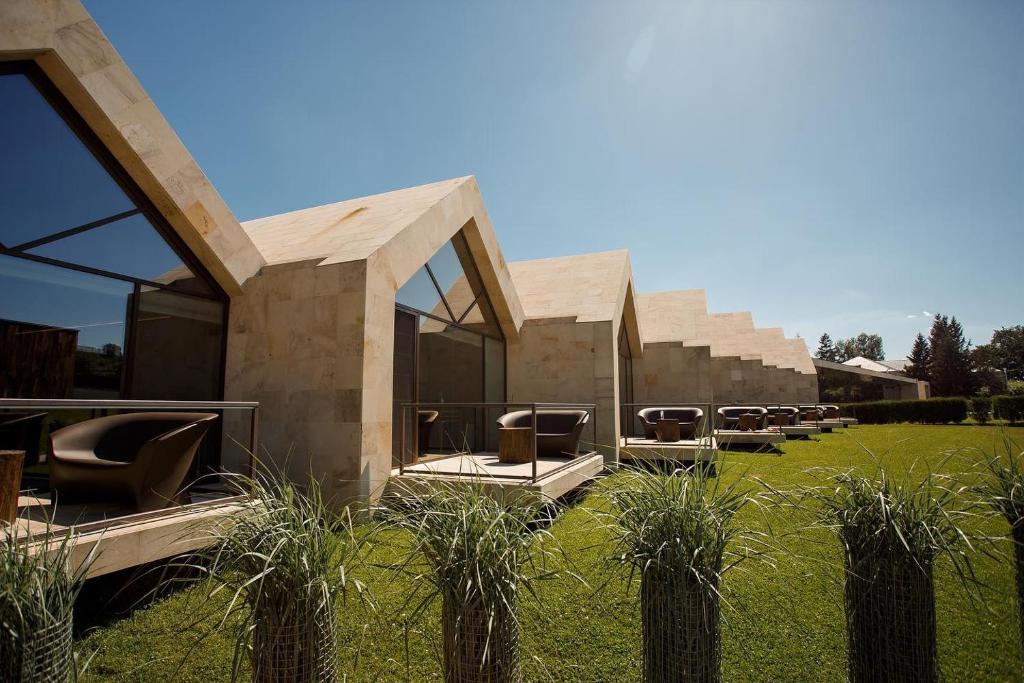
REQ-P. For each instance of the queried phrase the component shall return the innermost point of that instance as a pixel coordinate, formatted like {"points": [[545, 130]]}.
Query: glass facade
{"points": [[448, 349], [98, 298]]}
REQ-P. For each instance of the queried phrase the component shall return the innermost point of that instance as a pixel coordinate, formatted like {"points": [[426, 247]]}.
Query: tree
{"points": [[870, 346], [920, 359], [826, 350], [951, 367], [1004, 352], [867, 345]]}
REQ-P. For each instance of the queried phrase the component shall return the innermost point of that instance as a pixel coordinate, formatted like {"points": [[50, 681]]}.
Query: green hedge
{"points": [[929, 411], [981, 407], [1008, 408]]}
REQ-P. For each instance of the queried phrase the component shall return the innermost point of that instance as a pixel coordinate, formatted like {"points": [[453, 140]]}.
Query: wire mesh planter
{"points": [[301, 648], [43, 655], [682, 637], [890, 619], [1017, 534], [481, 645]]}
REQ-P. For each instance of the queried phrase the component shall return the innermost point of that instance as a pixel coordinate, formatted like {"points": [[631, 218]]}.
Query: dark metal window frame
{"points": [[457, 324], [143, 206]]}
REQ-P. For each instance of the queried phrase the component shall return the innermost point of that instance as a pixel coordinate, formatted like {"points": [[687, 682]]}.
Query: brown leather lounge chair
{"points": [[425, 425], [782, 416], [688, 419], [22, 432], [811, 413], [829, 412], [729, 416], [558, 431], [139, 458]]}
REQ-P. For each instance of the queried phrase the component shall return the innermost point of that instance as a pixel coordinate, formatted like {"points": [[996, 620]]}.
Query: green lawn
{"points": [[785, 623]]}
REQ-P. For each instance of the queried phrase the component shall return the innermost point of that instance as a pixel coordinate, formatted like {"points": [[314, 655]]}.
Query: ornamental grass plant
{"points": [[892, 533], [284, 564], [1001, 490], [479, 555], [675, 532], [38, 588]]}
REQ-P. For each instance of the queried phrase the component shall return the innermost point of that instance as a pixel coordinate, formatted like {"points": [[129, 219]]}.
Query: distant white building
{"points": [[878, 365]]}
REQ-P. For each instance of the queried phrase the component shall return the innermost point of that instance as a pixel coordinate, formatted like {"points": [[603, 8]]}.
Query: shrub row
{"points": [[981, 407], [1008, 408], [929, 411]]}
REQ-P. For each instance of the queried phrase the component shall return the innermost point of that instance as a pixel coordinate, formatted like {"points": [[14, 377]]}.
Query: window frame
{"points": [[143, 206]]}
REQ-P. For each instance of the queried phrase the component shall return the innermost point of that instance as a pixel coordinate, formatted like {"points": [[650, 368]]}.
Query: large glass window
{"points": [[98, 298], [448, 349], [87, 268]]}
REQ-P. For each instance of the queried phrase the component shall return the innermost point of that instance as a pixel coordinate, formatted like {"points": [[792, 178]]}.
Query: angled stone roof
{"points": [[682, 316], [350, 230], [395, 233], [673, 316], [61, 37], [588, 287]]}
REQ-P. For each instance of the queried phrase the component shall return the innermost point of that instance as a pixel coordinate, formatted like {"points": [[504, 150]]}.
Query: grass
{"points": [[784, 623]]}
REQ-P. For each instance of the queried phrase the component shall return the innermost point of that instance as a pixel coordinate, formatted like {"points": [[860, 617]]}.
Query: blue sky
{"points": [[829, 166]]}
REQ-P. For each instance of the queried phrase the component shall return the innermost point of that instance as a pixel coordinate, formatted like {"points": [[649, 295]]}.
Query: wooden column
{"points": [[10, 484]]}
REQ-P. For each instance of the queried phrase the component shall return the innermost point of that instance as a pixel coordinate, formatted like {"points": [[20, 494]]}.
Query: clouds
{"points": [[640, 52]]}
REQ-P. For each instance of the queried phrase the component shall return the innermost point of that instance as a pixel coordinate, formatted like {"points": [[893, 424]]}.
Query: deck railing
{"points": [[412, 408], [103, 405]]}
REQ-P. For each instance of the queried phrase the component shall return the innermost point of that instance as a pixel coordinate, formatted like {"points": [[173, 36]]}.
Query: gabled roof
{"points": [[588, 287], [65, 42], [395, 233], [682, 316], [673, 316], [350, 230]]}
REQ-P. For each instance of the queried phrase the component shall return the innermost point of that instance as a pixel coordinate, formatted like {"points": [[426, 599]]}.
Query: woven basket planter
{"points": [[1017, 534], [480, 645], [682, 638], [44, 655], [890, 621], [300, 649]]}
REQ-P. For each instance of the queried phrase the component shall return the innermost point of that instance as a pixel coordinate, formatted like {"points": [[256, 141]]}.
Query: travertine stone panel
{"points": [[68, 45], [670, 372], [296, 344]]}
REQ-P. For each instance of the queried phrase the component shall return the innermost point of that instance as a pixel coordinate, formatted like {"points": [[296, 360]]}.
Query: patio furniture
{"points": [[747, 422], [425, 420], [810, 413], [139, 458], [830, 412], [558, 430], [729, 416], [515, 445], [10, 483], [784, 416], [22, 432], [687, 418], [667, 430]]}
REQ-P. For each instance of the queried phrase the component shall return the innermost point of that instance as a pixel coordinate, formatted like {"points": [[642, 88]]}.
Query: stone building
{"points": [[335, 317]]}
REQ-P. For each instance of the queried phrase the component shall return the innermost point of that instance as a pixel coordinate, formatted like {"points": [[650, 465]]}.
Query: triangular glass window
{"points": [[130, 246], [447, 269], [480, 317], [51, 181], [419, 293]]}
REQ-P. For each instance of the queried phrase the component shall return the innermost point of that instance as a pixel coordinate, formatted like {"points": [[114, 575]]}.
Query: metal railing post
{"points": [[533, 416], [401, 445], [254, 427]]}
